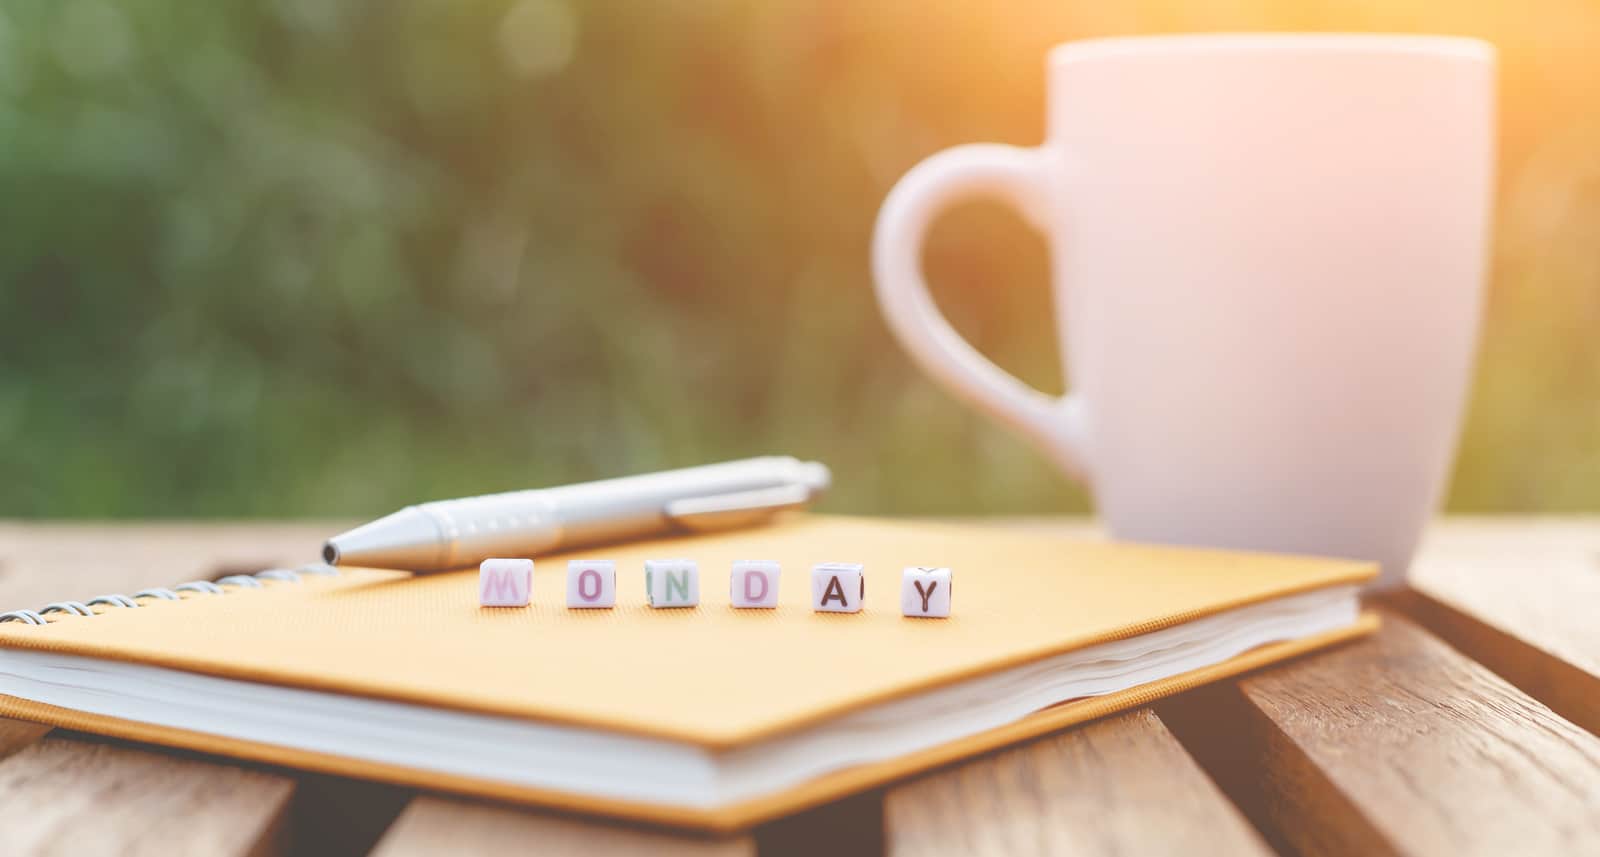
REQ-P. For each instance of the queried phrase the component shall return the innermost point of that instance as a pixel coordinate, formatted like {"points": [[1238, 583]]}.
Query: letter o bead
{"points": [[754, 583], [838, 587], [925, 592], [591, 583]]}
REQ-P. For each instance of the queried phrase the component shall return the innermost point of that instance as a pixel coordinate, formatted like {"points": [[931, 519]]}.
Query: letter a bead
{"points": [[754, 583], [925, 592], [838, 587], [591, 583], [672, 582], [505, 582]]}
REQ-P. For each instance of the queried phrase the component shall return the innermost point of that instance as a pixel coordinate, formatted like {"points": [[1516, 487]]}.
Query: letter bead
{"points": [[591, 583], [838, 587], [505, 582], [672, 582], [754, 583], [925, 592]]}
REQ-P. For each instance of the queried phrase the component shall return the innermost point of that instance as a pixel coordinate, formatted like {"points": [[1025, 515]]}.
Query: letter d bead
{"points": [[754, 583]]}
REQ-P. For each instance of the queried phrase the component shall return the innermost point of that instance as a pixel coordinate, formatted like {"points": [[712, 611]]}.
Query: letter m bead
{"points": [[505, 582]]}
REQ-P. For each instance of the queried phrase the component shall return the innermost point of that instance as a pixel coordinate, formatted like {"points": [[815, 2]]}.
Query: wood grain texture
{"points": [[1522, 597], [436, 825], [61, 795], [17, 734], [45, 562], [69, 794], [1122, 785], [1396, 744]]}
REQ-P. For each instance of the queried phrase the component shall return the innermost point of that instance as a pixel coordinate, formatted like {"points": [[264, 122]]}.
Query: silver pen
{"points": [[458, 533]]}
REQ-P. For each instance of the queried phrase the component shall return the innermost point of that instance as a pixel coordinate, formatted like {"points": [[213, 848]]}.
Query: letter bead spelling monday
{"points": [[505, 583], [838, 587], [591, 584], [672, 582], [754, 583], [925, 592]]}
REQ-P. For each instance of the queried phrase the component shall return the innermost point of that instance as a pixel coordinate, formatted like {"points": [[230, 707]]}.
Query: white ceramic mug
{"points": [[1268, 256]]}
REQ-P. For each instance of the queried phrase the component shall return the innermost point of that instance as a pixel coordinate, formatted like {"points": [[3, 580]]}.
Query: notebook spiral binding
{"points": [[206, 587]]}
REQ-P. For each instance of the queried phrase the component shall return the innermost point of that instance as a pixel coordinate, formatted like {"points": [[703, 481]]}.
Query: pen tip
{"points": [[407, 539], [817, 476]]}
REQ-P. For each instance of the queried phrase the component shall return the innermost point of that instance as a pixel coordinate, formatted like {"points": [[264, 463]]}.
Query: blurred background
{"points": [[328, 257]]}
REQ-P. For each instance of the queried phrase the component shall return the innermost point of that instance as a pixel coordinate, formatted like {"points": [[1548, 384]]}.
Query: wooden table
{"points": [[1466, 726]]}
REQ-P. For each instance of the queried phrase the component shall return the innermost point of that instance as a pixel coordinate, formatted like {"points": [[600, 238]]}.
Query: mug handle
{"points": [[1017, 175]]}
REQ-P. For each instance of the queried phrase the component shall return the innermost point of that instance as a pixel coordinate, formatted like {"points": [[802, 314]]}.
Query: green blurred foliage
{"points": [[309, 257]]}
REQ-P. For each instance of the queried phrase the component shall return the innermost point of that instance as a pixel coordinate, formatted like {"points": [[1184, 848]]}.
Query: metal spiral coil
{"points": [[204, 587]]}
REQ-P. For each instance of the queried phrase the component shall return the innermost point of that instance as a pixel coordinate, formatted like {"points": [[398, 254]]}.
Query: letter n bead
{"points": [[672, 582], [925, 592], [505, 582], [838, 587], [591, 583], [754, 583]]}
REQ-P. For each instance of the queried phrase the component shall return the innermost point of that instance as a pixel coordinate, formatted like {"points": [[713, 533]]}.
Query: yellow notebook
{"points": [[706, 717]]}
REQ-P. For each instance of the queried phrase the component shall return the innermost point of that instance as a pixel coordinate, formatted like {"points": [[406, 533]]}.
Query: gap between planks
{"points": [[60, 557], [1395, 744], [1518, 596]]}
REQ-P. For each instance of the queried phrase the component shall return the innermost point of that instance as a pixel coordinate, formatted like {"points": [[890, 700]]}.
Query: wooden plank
{"points": [[45, 562], [437, 825], [1396, 744], [340, 815], [65, 793], [1520, 597], [17, 734], [1122, 785], [65, 796]]}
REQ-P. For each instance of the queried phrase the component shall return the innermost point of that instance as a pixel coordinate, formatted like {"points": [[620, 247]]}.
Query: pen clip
{"points": [[736, 509]]}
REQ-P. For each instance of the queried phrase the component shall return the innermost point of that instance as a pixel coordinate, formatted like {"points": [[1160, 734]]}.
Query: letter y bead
{"points": [[925, 592]]}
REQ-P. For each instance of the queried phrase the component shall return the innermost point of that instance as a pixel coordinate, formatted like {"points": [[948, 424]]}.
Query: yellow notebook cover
{"points": [[710, 676]]}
